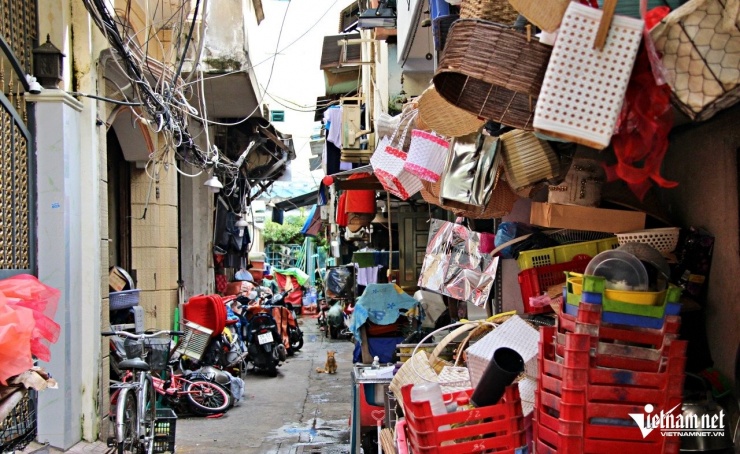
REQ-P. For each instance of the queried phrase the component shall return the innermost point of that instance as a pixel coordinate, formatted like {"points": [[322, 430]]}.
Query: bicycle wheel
{"points": [[148, 413], [126, 420], [206, 397]]}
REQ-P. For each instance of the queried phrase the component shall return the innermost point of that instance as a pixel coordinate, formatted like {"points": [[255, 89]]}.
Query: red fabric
{"points": [[295, 297], [360, 200], [221, 283], [642, 136], [341, 212]]}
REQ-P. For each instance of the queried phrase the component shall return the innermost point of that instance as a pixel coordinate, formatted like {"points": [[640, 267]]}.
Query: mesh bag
{"points": [[388, 162], [700, 44], [426, 157]]}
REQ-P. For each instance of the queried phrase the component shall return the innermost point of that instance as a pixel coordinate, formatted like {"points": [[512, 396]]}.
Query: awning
{"points": [[304, 200]]}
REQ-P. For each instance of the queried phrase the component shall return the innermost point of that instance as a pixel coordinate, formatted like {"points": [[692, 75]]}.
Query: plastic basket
{"points": [[534, 281], [18, 429], [164, 431], [664, 240], [498, 428], [124, 299], [565, 253], [195, 340]]}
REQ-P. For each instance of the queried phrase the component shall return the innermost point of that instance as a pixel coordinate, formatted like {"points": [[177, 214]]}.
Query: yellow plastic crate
{"points": [[565, 253]]}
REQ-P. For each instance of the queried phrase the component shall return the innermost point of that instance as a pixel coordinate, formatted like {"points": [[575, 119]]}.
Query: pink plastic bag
{"points": [[27, 292], [16, 330]]}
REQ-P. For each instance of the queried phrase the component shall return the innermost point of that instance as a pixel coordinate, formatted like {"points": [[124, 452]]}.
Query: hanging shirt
{"points": [[367, 275], [333, 121]]}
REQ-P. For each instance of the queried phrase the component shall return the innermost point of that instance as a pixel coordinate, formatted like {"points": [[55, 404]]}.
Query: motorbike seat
{"points": [[133, 364], [230, 322]]}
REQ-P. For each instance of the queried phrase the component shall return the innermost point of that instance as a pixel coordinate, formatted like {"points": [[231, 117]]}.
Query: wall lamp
{"points": [[381, 17]]}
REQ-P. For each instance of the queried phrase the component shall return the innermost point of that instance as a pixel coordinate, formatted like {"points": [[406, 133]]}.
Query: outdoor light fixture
{"points": [[242, 223], [48, 64], [383, 17], [213, 184]]}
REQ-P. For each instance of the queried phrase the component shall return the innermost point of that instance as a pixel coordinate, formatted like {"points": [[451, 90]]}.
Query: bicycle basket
{"points": [[133, 348], [157, 352]]}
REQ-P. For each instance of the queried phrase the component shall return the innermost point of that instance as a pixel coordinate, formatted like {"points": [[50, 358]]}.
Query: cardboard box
{"points": [[585, 218], [116, 281]]}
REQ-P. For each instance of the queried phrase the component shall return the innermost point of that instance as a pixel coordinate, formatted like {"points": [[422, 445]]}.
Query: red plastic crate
{"points": [[496, 428], [535, 281], [589, 322]]}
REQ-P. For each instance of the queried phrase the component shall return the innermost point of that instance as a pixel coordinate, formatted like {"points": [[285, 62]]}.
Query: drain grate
{"points": [[322, 449]]}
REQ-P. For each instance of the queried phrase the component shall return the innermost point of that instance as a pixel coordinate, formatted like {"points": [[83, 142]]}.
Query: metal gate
{"points": [[18, 25]]}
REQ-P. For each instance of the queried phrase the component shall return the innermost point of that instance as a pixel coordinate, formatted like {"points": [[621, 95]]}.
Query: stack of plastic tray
{"points": [[496, 428], [594, 376]]}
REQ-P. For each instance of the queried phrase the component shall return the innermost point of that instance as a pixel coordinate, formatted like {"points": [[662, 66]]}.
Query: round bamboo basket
{"points": [[445, 118]]}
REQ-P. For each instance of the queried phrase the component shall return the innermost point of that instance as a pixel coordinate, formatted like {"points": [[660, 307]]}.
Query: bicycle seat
{"points": [[133, 364]]}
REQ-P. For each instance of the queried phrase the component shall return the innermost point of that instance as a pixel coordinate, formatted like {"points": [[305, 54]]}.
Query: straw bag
{"points": [[426, 157], [527, 159], [492, 71], [582, 184], [445, 118], [470, 171], [700, 44], [388, 165], [546, 15], [587, 76], [499, 11]]}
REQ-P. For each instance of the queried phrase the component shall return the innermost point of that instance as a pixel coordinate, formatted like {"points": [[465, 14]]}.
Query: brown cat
{"points": [[330, 367]]}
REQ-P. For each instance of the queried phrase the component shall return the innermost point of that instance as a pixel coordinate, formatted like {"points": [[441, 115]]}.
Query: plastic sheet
{"points": [[454, 266], [339, 282]]}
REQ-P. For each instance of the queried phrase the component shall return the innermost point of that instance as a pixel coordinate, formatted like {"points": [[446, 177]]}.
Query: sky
{"points": [[295, 80]]}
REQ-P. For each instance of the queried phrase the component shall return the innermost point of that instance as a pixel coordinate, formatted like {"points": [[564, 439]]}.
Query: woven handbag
{"points": [[492, 71], [527, 159], [388, 166], [499, 11], [445, 118], [546, 15], [427, 154], [587, 76], [700, 44]]}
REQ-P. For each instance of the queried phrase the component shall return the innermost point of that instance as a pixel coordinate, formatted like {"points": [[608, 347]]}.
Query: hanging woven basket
{"points": [[499, 11], [492, 71], [499, 205], [445, 118]]}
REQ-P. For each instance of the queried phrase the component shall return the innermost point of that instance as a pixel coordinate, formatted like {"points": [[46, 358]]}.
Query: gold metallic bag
{"points": [[470, 172]]}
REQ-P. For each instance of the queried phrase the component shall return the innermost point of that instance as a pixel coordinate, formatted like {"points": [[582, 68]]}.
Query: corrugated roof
{"points": [[331, 51]]}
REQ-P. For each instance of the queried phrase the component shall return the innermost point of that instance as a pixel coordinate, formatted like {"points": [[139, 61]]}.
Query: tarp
{"points": [[381, 304]]}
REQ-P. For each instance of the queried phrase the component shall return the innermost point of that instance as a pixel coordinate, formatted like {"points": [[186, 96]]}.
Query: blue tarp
{"points": [[381, 304]]}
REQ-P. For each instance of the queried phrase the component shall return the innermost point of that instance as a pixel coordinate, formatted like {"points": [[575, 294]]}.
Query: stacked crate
{"points": [[594, 375]]}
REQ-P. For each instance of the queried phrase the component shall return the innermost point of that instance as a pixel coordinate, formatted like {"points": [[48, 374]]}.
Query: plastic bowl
{"points": [[622, 270]]}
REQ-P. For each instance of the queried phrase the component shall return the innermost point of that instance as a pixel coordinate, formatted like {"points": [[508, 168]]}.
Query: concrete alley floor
{"points": [[298, 409]]}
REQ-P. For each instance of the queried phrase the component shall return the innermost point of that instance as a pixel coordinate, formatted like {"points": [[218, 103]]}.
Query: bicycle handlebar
{"points": [[141, 336]]}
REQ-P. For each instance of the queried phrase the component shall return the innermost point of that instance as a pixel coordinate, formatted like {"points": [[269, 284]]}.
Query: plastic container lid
{"points": [[622, 270]]}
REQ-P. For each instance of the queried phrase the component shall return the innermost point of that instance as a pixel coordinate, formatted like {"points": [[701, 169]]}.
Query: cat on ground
{"points": [[330, 367]]}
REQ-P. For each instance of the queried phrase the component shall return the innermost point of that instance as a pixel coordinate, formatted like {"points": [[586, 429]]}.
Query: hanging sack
{"points": [[446, 118], [582, 184], [700, 44], [492, 71], [587, 76], [471, 172], [527, 159], [426, 157], [388, 164]]}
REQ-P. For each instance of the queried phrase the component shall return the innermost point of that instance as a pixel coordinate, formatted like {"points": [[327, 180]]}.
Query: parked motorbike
{"points": [[334, 318], [264, 343], [285, 315]]}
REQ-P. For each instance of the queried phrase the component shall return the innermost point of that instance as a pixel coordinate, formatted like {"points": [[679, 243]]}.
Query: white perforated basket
{"points": [[664, 240], [584, 88]]}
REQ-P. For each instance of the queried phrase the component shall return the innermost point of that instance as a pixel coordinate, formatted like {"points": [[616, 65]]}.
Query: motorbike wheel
{"points": [[272, 370], [333, 332], [297, 345], [206, 398]]}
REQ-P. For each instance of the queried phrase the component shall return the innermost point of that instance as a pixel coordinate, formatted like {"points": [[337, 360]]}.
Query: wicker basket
{"points": [[664, 240], [499, 205], [499, 11], [445, 118], [492, 71], [527, 159]]}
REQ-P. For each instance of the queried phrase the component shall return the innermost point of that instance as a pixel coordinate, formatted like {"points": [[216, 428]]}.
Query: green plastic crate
{"points": [[565, 253]]}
